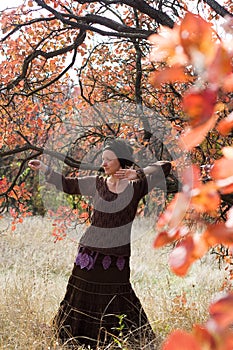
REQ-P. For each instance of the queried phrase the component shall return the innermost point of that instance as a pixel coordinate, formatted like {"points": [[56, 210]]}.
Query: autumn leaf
{"points": [[204, 337], [174, 213], [221, 312], [220, 67], [189, 249], [192, 137], [222, 171], [181, 340], [166, 46], [166, 237], [228, 83], [225, 126], [219, 233], [205, 198], [227, 342], [199, 105], [196, 37], [169, 75]]}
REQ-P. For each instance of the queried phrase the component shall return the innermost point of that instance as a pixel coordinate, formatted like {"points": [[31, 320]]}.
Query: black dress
{"points": [[100, 305]]}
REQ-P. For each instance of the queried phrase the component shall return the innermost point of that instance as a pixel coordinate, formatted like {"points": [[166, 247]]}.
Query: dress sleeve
{"points": [[73, 185], [155, 180]]}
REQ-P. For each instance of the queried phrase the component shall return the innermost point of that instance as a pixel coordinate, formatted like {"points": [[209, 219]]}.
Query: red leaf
{"points": [[220, 67], [221, 312], [166, 237], [186, 252], [228, 83], [222, 168], [174, 212], [193, 137], [222, 171], [205, 198], [199, 106], [227, 343], [166, 46], [226, 125], [181, 340], [219, 234], [196, 36], [204, 337], [180, 258], [169, 75]]}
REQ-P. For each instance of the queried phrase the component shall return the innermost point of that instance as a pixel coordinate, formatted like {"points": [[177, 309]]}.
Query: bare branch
{"points": [[220, 10]]}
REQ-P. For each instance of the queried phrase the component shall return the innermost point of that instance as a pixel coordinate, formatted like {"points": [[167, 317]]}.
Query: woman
{"points": [[100, 304]]}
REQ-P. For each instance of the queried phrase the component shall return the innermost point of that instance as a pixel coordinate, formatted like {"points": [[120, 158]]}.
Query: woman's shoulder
{"points": [[100, 180]]}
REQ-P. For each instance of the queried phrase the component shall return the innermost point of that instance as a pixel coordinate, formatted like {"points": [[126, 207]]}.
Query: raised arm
{"points": [[71, 185], [157, 168], [152, 176]]}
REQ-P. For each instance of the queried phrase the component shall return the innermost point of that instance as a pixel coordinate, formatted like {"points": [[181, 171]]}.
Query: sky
{"points": [[10, 3]]}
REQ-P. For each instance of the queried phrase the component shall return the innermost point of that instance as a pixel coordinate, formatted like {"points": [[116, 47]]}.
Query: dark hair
{"points": [[122, 150]]}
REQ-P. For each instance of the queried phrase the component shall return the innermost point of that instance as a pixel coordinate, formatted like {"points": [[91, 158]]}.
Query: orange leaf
{"points": [[174, 212], [221, 312], [169, 75], [165, 237], [204, 337], [196, 36], [206, 198], [166, 46], [227, 343], [186, 252], [219, 233], [226, 125], [220, 67], [222, 172], [199, 106], [228, 83], [181, 258], [181, 340], [194, 136]]}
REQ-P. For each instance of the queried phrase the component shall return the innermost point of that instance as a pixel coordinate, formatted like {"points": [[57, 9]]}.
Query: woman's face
{"points": [[110, 162]]}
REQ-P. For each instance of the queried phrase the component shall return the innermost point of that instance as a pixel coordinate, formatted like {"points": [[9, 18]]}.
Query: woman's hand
{"points": [[36, 165], [129, 174]]}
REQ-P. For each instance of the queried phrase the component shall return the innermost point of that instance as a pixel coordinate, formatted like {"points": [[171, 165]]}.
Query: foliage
{"points": [[64, 89], [212, 61], [56, 63]]}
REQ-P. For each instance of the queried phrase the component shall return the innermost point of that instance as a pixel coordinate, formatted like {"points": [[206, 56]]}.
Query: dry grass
{"points": [[34, 271]]}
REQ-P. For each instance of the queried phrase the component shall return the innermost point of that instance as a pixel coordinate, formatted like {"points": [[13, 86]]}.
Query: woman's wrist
{"points": [[140, 173]]}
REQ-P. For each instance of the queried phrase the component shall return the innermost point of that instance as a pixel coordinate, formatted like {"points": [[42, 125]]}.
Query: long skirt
{"points": [[100, 307]]}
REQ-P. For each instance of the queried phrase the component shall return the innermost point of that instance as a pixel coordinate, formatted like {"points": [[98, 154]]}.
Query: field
{"points": [[34, 271]]}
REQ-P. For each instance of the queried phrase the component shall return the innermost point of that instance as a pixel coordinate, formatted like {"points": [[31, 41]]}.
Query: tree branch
{"points": [[220, 10]]}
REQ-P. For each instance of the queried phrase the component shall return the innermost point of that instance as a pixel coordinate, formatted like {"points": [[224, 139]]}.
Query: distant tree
{"points": [[62, 61]]}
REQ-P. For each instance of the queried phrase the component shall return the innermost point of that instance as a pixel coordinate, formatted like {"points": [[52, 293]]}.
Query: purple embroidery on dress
{"points": [[106, 262], [84, 260], [77, 260], [91, 263], [120, 263]]}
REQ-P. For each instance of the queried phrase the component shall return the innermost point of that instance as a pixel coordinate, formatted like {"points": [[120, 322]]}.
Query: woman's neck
{"points": [[113, 180], [117, 185]]}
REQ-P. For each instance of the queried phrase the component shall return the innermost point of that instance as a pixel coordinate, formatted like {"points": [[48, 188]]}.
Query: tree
{"points": [[44, 41]]}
